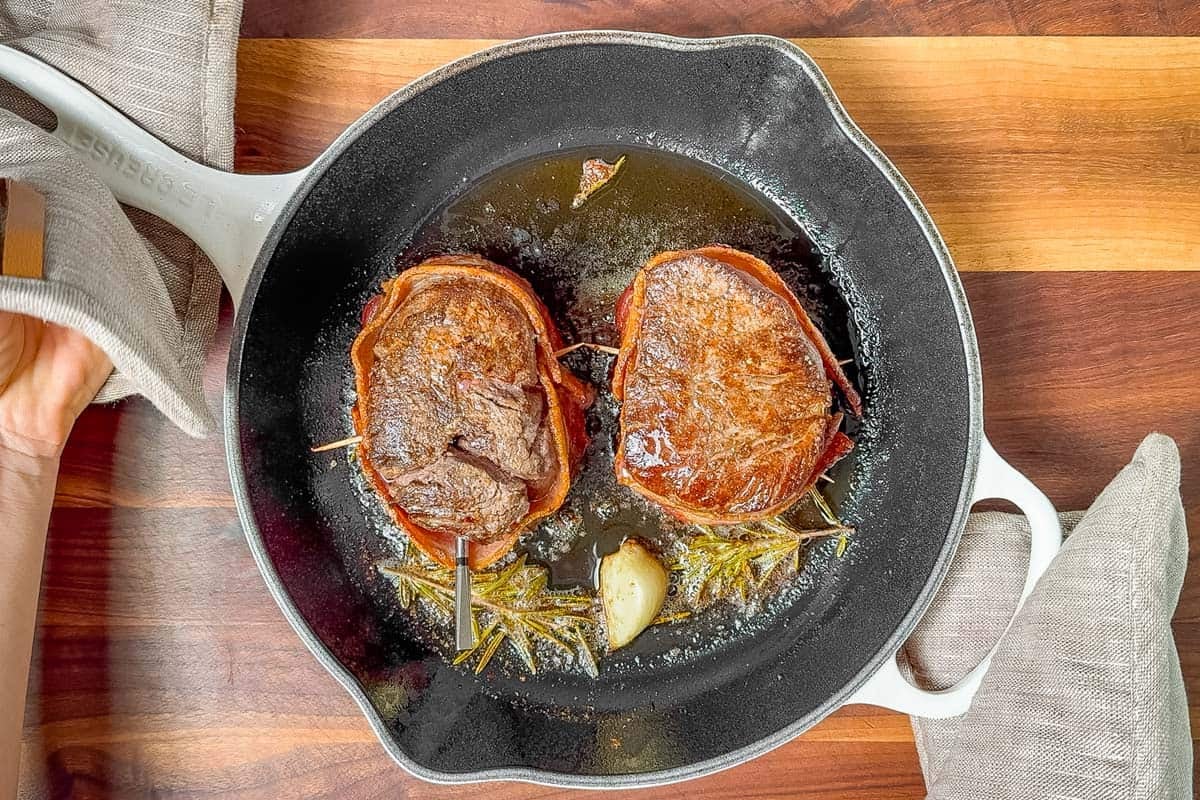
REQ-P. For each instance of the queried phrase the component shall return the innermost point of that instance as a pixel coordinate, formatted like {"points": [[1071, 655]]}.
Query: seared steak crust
{"points": [[455, 410], [470, 427], [726, 398]]}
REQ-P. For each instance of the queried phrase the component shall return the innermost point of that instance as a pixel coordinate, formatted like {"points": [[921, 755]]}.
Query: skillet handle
{"points": [[227, 215], [996, 479]]}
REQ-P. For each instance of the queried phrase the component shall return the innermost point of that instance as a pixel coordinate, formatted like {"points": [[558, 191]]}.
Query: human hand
{"points": [[48, 375]]}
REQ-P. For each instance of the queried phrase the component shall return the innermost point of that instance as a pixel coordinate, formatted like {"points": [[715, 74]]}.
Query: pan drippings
{"points": [[578, 261]]}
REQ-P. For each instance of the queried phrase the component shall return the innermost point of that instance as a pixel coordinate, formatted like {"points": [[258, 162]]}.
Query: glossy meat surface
{"points": [[469, 425], [455, 410], [726, 400]]}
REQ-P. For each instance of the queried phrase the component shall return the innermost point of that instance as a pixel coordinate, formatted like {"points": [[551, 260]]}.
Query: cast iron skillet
{"points": [[301, 252]]}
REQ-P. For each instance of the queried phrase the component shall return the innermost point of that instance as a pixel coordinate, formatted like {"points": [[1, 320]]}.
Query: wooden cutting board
{"points": [[1063, 174], [1031, 153]]}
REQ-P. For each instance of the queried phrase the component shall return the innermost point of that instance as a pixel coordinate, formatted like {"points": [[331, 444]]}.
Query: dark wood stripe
{"points": [[1078, 368], [127, 455], [489, 19]]}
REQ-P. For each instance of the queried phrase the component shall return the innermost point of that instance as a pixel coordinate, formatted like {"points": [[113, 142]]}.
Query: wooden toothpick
{"points": [[603, 348], [321, 448]]}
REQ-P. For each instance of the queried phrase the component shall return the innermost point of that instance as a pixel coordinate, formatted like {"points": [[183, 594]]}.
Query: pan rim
{"points": [[949, 274]]}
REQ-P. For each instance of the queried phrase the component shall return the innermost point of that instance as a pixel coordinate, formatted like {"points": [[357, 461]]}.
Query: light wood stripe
{"points": [[1054, 153], [23, 231]]}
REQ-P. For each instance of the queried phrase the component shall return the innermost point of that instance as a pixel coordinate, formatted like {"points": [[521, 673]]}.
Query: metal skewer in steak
{"points": [[725, 386], [470, 426]]}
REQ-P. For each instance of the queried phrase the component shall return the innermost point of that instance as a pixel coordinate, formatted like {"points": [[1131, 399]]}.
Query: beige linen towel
{"points": [[1084, 698], [135, 285]]}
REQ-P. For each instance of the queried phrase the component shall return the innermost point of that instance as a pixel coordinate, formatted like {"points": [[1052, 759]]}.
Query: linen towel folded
{"points": [[1084, 697], [136, 286]]}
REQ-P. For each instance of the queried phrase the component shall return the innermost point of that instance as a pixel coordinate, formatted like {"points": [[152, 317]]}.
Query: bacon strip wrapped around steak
{"points": [[469, 425], [725, 387]]}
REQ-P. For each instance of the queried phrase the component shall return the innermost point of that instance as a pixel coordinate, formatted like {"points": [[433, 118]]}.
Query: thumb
{"points": [[12, 344]]}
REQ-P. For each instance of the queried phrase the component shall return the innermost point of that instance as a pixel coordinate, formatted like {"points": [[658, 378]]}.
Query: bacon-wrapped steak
{"points": [[470, 427], [725, 386]]}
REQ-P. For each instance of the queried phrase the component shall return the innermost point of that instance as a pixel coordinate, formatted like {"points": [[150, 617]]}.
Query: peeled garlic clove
{"points": [[633, 586]]}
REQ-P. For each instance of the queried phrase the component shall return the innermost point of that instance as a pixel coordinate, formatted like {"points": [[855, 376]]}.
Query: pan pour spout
{"points": [[470, 426], [725, 387]]}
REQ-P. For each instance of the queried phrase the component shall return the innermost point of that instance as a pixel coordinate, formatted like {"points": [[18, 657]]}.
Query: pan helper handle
{"points": [[996, 480], [228, 216]]}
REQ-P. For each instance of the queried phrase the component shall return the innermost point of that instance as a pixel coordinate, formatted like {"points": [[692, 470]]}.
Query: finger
{"points": [[89, 365]]}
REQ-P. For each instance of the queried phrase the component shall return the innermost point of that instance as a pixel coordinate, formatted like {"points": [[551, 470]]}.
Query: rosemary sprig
{"points": [[830, 519], [670, 619], [514, 605], [718, 564], [510, 605]]}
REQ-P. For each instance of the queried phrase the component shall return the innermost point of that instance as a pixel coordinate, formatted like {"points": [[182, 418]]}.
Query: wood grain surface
{"points": [[1031, 153], [1061, 172], [472, 18], [22, 230]]}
